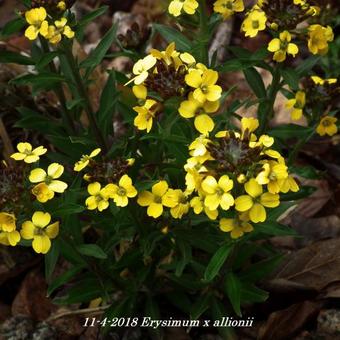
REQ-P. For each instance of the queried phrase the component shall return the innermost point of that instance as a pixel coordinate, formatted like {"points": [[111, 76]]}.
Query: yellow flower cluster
{"points": [[237, 173], [119, 193], [162, 196], [41, 23], [171, 73]]}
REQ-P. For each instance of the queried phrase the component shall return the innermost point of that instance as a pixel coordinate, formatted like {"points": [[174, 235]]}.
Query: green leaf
{"points": [[303, 192], [233, 289], [172, 35], [255, 82], [12, 27], [252, 294], [200, 306], [38, 79], [307, 65], [13, 57], [68, 209], [274, 229], [108, 100], [260, 270], [290, 131], [217, 262], [291, 78], [51, 259], [185, 253], [92, 250], [46, 58], [98, 54], [62, 279], [88, 18]]}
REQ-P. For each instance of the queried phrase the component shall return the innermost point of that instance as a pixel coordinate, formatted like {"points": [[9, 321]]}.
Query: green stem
{"points": [[298, 147], [82, 91], [204, 33], [66, 114], [272, 94]]}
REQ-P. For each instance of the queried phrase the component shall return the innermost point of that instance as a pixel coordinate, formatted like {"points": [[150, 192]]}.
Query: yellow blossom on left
{"points": [[36, 18], [27, 153], [254, 22], [8, 233], [228, 7], [41, 231]]}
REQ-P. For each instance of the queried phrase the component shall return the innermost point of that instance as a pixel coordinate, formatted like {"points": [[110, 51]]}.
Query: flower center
{"points": [[121, 191], [255, 24], [158, 199]]}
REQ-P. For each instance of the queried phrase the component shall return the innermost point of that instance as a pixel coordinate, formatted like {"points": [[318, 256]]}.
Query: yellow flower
{"points": [[36, 19], [248, 125], [198, 148], [146, 114], [27, 154], [297, 104], [255, 201], [197, 203], [319, 81], [254, 22], [140, 92], [236, 227], [41, 231], [319, 37], [155, 200], [327, 126], [217, 193], [141, 68], [177, 201], [204, 84], [56, 31], [54, 171], [188, 6], [11, 238], [289, 184], [61, 5], [281, 46], [193, 108], [42, 192], [122, 192], [85, 160], [7, 222], [99, 198], [228, 7], [272, 175]]}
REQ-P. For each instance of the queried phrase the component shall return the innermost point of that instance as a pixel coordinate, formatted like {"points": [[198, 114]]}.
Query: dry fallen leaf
{"points": [[284, 324]]}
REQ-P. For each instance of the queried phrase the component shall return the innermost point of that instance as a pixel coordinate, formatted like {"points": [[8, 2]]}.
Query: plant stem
{"points": [[66, 114], [204, 33], [298, 147], [272, 94], [84, 95]]}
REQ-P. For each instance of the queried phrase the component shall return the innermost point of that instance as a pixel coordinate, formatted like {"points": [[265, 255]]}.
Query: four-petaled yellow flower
{"points": [[99, 198], [218, 193], [42, 192], [281, 46], [204, 84], [318, 38], [193, 108], [327, 126], [188, 6], [141, 68], [85, 160], [146, 114], [228, 7], [36, 18], [8, 233], [178, 203], [272, 175], [41, 231], [197, 204], [122, 192], [255, 201], [27, 153], [297, 104], [56, 31], [156, 199], [236, 227], [54, 171], [254, 22]]}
